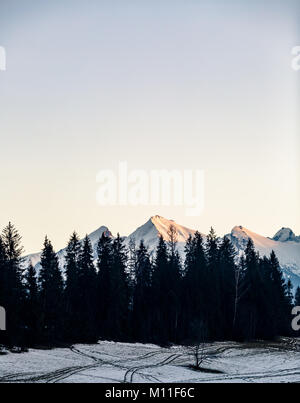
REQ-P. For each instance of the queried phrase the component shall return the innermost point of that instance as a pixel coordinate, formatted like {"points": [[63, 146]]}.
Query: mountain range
{"points": [[285, 243]]}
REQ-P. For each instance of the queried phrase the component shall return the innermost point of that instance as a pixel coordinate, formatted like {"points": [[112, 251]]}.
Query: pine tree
{"points": [[213, 283], [189, 252], [238, 293], [32, 307], [227, 279], [51, 295], [104, 284], [290, 296], [165, 290], [13, 290], [3, 284], [173, 291], [159, 290], [271, 307], [88, 294], [194, 285], [132, 262], [118, 313], [3, 274], [280, 300], [253, 300], [72, 300], [141, 323], [289, 305]]}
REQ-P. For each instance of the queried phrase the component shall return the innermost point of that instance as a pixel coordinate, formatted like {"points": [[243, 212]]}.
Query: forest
{"points": [[129, 294]]}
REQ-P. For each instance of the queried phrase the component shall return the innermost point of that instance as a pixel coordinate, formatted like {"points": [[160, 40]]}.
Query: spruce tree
{"points": [[88, 294], [3, 284], [289, 295], [189, 252], [227, 273], [253, 300], [3, 274], [104, 284], [173, 291], [51, 295], [272, 309], [13, 290], [195, 285], [281, 304], [32, 307], [118, 308], [213, 297], [238, 293], [159, 292], [142, 304], [132, 262], [72, 300]]}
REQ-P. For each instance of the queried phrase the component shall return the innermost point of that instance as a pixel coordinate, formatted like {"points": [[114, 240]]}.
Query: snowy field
{"points": [[134, 363]]}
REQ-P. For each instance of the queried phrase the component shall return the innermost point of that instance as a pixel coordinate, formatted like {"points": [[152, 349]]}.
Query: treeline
{"points": [[130, 295]]}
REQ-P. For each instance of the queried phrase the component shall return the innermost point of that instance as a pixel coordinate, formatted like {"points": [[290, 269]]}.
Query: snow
{"points": [[285, 235], [96, 235], [287, 252], [108, 362], [159, 226], [34, 258]]}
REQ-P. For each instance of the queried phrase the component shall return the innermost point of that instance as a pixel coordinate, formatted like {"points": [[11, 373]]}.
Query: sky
{"points": [[168, 84]]}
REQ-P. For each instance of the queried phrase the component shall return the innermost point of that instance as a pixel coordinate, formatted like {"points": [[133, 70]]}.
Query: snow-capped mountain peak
{"points": [[286, 235], [163, 226], [287, 249], [96, 235], [159, 226], [241, 235]]}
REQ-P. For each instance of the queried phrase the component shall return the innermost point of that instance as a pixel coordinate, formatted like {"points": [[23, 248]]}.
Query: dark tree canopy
{"points": [[121, 292]]}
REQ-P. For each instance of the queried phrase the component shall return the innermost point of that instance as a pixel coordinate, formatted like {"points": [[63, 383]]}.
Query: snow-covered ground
{"points": [[133, 363]]}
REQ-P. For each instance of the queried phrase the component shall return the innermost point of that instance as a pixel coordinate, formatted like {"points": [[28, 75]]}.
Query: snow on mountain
{"points": [[94, 238], [149, 233], [34, 259], [96, 235], [285, 243], [287, 250], [285, 235], [158, 226]]}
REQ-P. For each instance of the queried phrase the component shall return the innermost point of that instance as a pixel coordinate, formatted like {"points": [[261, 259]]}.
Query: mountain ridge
{"points": [[285, 243]]}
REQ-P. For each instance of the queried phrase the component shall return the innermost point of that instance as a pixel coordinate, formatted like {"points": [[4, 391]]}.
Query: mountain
{"points": [[285, 243], [286, 235], [159, 226], [149, 232], [35, 258]]}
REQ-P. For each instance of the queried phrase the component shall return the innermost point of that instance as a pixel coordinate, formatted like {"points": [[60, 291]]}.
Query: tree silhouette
{"points": [[51, 295]]}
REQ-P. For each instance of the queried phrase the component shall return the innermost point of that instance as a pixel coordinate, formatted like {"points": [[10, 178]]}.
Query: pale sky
{"points": [[161, 84]]}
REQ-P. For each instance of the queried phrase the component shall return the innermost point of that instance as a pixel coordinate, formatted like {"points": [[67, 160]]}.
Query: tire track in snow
{"points": [[128, 377]]}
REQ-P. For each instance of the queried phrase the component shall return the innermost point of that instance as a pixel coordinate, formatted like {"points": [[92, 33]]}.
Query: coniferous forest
{"points": [[128, 294]]}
